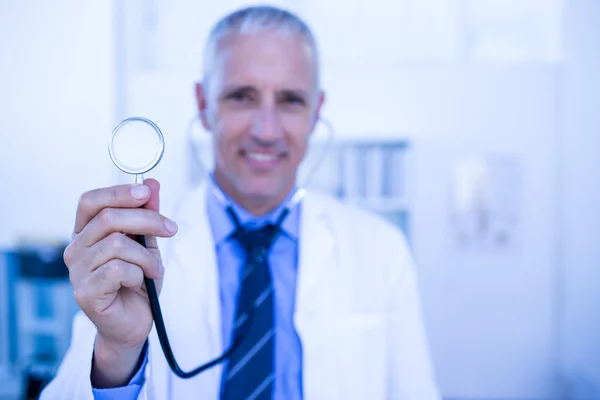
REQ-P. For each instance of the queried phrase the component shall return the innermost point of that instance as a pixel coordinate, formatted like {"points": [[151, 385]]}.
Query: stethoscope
{"points": [[136, 146]]}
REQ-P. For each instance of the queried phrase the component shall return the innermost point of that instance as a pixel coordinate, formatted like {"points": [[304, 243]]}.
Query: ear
{"points": [[202, 103], [320, 102]]}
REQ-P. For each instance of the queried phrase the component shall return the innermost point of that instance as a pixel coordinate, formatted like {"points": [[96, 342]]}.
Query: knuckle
{"points": [[81, 295], [149, 215], [113, 194], [69, 254], [116, 240], [85, 202], [106, 217], [101, 273], [113, 269]]}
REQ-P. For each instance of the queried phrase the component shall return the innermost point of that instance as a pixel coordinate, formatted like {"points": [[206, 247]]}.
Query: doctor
{"points": [[336, 305]]}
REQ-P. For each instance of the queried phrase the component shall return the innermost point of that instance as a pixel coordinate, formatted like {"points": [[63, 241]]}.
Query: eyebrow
{"points": [[249, 88], [295, 92], [238, 88]]}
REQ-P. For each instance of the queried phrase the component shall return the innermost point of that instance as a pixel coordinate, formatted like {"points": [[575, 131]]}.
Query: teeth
{"points": [[262, 156]]}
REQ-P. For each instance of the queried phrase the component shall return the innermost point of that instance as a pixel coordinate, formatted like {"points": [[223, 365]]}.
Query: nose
{"points": [[266, 126]]}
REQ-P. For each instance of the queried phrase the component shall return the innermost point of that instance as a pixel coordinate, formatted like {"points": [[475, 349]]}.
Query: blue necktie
{"points": [[250, 373]]}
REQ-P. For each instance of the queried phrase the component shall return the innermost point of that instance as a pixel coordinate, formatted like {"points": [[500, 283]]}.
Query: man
{"points": [[336, 310]]}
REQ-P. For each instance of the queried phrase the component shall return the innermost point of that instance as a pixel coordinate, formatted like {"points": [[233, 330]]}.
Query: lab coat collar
{"points": [[222, 227]]}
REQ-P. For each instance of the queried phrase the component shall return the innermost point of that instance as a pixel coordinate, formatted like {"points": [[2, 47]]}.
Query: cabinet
{"points": [[369, 171]]}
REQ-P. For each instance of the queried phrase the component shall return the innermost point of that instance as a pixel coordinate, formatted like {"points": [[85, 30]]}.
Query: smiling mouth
{"points": [[261, 160], [261, 157]]}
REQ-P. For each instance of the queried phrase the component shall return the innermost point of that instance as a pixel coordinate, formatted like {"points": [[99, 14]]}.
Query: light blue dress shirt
{"points": [[283, 264]]}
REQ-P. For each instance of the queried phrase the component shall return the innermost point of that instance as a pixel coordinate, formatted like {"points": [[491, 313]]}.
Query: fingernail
{"points": [[139, 192], [170, 225]]}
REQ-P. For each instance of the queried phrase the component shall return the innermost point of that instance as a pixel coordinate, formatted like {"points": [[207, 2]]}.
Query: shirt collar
{"points": [[222, 226]]}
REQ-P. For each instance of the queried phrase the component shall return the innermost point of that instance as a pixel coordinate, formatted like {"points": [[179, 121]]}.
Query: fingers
{"points": [[101, 257], [153, 201], [136, 221], [107, 280], [121, 196], [116, 246], [152, 204]]}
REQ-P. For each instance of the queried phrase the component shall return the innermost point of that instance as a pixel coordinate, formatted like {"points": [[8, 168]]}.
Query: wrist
{"points": [[114, 365]]}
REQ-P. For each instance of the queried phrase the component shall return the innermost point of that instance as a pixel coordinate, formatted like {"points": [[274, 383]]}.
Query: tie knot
{"points": [[256, 240]]}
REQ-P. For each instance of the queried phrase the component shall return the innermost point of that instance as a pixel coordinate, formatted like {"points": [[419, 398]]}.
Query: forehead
{"points": [[266, 60]]}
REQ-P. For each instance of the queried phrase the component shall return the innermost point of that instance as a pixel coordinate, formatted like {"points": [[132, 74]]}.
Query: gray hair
{"points": [[256, 19]]}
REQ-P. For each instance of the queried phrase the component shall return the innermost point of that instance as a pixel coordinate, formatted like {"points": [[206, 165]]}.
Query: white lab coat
{"points": [[357, 312]]}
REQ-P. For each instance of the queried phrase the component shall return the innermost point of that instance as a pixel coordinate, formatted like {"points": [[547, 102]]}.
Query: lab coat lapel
{"points": [[316, 244], [317, 269], [193, 291]]}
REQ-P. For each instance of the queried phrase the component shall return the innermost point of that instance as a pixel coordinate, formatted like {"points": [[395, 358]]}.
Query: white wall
{"points": [[56, 77], [491, 315], [580, 193]]}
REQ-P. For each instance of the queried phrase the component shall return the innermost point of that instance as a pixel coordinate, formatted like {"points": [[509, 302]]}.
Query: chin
{"points": [[260, 191], [261, 188]]}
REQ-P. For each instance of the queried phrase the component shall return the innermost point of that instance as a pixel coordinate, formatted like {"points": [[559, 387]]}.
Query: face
{"points": [[261, 105]]}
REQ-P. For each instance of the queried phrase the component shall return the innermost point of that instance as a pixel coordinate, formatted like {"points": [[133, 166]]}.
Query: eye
{"points": [[293, 99], [237, 96]]}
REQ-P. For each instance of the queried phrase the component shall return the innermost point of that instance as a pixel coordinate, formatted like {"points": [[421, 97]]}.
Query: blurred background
{"points": [[474, 125]]}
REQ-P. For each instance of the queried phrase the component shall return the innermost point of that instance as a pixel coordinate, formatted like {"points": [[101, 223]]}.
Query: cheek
{"points": [[228, 135], [298, 134], [298, 146]]}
